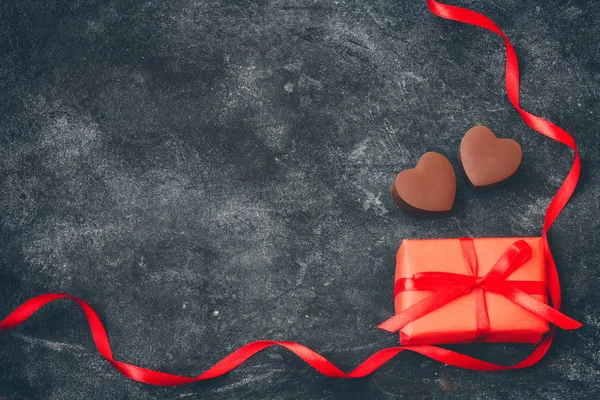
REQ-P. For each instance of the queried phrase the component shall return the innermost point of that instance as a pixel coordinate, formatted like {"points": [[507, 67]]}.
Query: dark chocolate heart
{"points": [[486, 159], [428, 189]]}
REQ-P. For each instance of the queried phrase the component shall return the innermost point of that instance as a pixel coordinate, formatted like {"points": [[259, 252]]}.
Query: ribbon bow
{"points": [[448, 286]]}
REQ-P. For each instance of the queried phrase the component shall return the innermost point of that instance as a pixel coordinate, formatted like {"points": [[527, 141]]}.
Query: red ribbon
{"points": [[448, 286], [381, 357]]}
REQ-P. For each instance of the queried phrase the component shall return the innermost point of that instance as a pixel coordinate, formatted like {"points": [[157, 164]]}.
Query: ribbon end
{"points": [[389, 325], [572, 325]]}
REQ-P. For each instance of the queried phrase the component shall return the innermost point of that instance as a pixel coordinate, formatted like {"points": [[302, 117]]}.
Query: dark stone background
{"points": [[209, 173]]}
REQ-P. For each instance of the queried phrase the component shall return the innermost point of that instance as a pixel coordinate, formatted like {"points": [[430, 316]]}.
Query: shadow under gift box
{"points": [[456, 321]]}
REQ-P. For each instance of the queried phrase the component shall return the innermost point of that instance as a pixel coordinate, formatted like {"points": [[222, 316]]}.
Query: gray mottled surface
{"points": [[210, 173]]}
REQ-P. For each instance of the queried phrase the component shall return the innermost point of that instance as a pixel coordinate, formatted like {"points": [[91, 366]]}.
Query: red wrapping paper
{"points": [[456, 321]]}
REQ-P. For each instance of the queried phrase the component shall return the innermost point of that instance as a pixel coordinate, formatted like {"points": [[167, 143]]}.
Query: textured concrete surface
{"points": [[209, 173]]}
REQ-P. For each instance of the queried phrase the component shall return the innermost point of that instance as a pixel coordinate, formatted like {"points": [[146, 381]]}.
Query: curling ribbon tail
{"points": [[238, 357], [375, 361]]}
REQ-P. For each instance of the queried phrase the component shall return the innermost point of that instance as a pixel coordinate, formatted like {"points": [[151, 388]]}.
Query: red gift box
{"points": [[471, 290]]}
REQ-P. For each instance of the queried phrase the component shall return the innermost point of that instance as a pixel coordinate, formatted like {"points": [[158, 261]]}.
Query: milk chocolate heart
{"points": [[486, 160], [428, 190]]}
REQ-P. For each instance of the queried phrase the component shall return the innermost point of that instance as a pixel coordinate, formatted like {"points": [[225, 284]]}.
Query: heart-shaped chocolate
{"points": [[428, 190], [487, 160]]}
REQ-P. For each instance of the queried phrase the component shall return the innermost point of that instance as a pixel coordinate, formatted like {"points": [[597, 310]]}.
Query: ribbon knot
{"points": [[447, 286]]}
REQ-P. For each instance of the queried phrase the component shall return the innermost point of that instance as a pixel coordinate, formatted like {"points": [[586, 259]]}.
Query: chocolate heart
{"points": [[428, 190], [486, 160]]}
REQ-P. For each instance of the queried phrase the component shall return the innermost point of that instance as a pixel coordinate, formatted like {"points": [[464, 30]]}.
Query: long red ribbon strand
{"points": [[314, 359]]}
